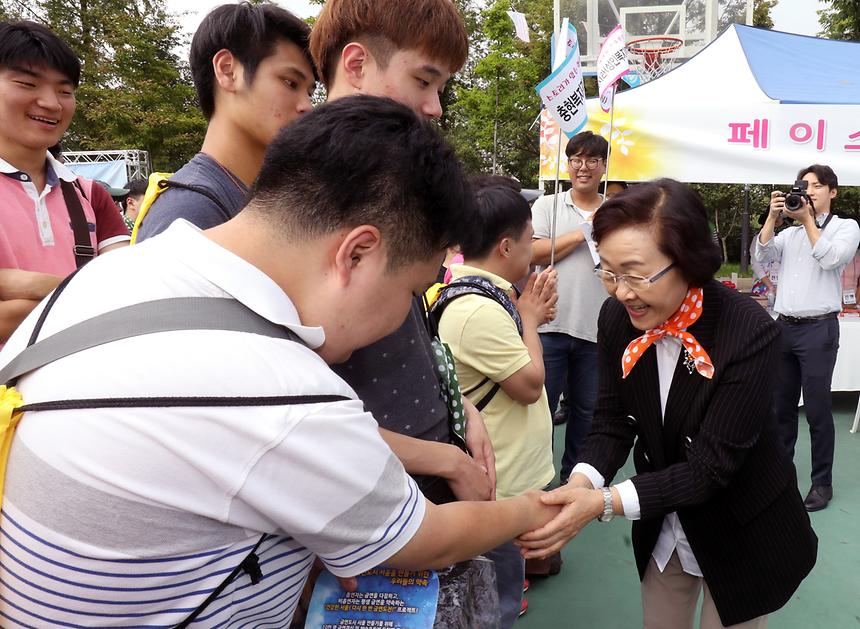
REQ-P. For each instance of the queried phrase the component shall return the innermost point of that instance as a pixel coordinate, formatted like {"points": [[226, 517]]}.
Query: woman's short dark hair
{"points": [[250, 32], [501, 212], [679, 219], [26, 45]]}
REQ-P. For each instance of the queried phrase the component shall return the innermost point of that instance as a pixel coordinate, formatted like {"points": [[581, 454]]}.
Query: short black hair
{"points": [[250, 32], [587, 144], [678, 216], [483, 180], [362, 160], [137, 187], [27, 45], [500, 212], [824, 174], [605, 184]]}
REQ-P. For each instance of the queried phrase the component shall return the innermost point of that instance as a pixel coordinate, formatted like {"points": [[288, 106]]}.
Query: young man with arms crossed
{"points": [[253, 75], [407, 52], [570, 341], [811, 257], [156, 505], [39, 74]]}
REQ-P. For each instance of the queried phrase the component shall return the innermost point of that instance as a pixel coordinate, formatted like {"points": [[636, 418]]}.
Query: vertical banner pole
{"points": [[609, 143], [560, 54], [555, 199]]}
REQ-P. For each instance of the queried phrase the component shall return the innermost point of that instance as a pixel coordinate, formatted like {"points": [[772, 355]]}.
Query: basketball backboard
{"points": [[696, 22]]}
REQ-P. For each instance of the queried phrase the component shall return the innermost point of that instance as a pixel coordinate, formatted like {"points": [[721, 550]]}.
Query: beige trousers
{"points": [[669, 600]]}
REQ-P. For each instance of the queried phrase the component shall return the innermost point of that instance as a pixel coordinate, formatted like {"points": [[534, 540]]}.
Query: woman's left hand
{"points": [[581, 506]]}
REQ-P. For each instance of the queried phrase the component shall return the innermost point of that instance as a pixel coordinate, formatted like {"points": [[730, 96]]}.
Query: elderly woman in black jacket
{"points": [[683, 363]]}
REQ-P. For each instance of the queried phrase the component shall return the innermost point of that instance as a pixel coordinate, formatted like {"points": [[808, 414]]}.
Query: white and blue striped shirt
{"points": [[130, 517]]}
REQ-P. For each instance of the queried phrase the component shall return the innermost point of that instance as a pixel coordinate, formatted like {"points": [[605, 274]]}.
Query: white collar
{"points": [[236, 277], [59, 169]]}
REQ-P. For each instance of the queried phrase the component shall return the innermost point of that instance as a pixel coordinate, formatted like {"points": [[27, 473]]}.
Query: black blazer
{"points": [[715, 458]]}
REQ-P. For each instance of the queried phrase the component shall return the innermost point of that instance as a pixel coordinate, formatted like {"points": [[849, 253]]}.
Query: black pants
{"points": [[806, 363]]}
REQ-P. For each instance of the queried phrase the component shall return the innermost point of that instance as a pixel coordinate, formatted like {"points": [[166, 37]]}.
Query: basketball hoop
{"points": [[650, 55]]}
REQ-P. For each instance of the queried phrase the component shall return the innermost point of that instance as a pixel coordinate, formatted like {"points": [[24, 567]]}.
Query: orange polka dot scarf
{"points": [[695, 357]]}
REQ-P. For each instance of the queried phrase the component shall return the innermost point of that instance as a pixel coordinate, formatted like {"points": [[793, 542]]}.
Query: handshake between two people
{"points": [[578, 503]]}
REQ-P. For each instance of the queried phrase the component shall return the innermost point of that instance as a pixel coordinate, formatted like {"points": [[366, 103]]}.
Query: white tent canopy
{"points": [[754, 106]]}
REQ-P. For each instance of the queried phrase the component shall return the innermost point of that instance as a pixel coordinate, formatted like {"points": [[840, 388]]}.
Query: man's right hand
{"points": [[539, 512], [467, 478], [777, 203]]}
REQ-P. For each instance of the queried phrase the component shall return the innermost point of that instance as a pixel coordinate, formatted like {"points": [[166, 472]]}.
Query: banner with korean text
{"points": [[612, 64], [563, 94], [709, 121]]}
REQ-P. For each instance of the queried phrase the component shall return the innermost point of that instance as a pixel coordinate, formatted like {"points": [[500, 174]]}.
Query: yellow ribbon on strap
{"points": [[432, 293], [10, 400]]}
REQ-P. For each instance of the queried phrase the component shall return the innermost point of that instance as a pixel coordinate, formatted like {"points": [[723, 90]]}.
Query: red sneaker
{"points": [[524, 607], [526, 585]]}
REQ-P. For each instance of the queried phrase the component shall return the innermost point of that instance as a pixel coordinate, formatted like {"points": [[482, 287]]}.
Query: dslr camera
{"points": [[794, 199]]}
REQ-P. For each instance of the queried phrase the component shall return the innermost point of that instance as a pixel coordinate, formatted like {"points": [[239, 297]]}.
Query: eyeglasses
{"points": [[591, 163], [634, 282]]}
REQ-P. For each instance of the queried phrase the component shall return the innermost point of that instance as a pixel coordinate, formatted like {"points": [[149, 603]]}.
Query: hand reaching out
{"points": [[579, 507]]}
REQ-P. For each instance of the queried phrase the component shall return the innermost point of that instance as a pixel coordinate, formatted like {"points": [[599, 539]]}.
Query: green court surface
{"points": [[598, 586]]}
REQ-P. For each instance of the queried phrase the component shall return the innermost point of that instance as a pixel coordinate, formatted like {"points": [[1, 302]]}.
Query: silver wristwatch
{"points": [[608, 513]]}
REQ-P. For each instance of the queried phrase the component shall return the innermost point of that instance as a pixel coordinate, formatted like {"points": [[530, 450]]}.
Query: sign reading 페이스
{"points": [[563, 94], [386, 598], [612, 64]]}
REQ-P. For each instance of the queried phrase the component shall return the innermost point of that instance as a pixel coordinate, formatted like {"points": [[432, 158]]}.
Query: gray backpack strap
{"points": [[149, 317]]}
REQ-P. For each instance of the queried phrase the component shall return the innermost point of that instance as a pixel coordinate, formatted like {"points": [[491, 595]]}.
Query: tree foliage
{"points": [[135, 91], [761, 13], [840, 19], [495, 91]]}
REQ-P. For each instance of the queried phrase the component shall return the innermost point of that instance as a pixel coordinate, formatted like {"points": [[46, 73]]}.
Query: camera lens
{"points": [[793, 202]]}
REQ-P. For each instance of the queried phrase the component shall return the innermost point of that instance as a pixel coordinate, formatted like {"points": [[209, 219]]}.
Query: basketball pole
{"points": [[561, 46], [609, 143]]}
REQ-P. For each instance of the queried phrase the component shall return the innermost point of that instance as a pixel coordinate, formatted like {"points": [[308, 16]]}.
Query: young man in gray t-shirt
{"points": [[253, 75], [570, 341]]}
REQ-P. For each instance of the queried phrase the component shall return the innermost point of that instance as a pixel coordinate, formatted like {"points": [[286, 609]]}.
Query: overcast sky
{"points": [[791, 16], [195, 10]]}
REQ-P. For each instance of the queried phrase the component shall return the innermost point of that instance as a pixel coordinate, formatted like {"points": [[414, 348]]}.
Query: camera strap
{"points": [[826, 221]]}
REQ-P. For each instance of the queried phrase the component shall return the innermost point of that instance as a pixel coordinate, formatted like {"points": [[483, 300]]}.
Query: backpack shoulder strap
{"points": [[83, 249], [161, 315], [153, 190], [178, 313], [469, 285], [170, 183], [159, 183]]}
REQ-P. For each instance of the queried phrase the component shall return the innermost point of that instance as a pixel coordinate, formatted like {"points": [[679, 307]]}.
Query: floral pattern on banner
{"points": [[636, 154]]}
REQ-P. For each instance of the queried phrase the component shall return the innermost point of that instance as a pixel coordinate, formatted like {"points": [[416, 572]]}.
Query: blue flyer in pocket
{"points": [[386, 598]]}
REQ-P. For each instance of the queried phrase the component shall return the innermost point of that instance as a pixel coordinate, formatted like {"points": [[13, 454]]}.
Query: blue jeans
{"points": [[510, 574], [571, 366]]}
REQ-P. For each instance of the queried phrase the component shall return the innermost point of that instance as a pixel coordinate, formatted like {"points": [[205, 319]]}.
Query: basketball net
{"points": [[651, 57]]}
